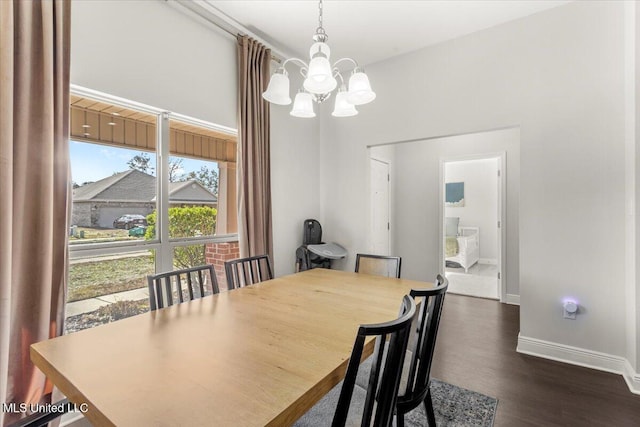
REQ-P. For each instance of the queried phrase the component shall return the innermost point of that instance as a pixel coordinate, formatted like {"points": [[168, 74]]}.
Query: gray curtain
{"points": [[34, 189], [254, 164]]}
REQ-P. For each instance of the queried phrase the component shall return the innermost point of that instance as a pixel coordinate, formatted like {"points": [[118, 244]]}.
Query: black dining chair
{"points": [[415, 379], [247, 271], [180, 285], [415, 388], [374, 404], [379, 265]]}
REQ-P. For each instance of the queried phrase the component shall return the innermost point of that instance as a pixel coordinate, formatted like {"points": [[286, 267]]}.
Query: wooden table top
{"points": [[259, 355]]}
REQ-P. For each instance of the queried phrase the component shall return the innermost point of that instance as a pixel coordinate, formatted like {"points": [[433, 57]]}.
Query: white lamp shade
{"points": [[359, 89], [320, 88], [343, 108], [303, 106], [278, 90], [319, 48], [319, 69], [319, 77]]}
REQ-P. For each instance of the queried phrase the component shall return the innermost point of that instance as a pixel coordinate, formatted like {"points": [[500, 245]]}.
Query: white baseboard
{"points": [[490, 261], [512, 299], [580, 357], [632, 378]]}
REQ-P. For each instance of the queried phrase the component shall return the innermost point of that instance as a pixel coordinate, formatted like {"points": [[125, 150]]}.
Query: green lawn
{"points": [[104, 277]]}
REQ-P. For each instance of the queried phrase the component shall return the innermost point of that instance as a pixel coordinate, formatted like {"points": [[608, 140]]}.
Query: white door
{"points": [[380, 207]]}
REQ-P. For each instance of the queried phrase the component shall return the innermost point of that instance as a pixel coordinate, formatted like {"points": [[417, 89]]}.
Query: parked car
{"points": [[129, 221]]}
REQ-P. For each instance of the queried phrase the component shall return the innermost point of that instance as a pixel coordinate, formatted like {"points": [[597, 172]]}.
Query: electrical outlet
{"points": [[570, 310]]}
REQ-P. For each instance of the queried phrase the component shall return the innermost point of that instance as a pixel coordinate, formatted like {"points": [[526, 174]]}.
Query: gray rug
{"points": [[455, 406]]}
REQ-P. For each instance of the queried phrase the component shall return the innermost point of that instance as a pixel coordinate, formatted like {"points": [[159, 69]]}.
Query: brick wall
{"points": [[216, 254]]}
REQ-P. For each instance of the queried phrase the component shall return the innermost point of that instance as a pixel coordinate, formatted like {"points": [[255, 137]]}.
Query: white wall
{"points": [[149, 52], [559, 76], [480, 208]]}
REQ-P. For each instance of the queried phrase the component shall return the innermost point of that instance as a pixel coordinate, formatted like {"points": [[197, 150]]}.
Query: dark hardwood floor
{"points": [[476, 349]]}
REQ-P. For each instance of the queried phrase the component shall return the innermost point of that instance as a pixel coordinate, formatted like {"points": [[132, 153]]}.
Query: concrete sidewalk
{"points": [[91, 304]]}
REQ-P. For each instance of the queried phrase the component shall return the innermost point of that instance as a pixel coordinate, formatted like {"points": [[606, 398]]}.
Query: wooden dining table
{"points": [[261, 355]]}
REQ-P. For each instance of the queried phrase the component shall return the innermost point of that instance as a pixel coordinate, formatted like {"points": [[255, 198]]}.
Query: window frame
{"points": [[162, 244]]}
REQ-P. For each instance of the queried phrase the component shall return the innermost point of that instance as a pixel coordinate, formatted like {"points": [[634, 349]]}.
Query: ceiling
{"points": [[371, 31]]}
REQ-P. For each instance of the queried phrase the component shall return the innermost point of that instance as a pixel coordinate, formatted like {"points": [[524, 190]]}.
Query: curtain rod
{"points": [[208, 13]]}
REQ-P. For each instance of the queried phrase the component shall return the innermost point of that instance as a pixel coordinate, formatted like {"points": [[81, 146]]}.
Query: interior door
{"points": [[380, 223]]}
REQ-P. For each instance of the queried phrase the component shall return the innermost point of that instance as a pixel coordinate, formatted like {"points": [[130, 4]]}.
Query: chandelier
{"points": [[320, 80]]}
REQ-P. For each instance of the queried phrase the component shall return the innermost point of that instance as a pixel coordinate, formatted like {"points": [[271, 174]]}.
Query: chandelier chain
{"points": [[320, 14]]}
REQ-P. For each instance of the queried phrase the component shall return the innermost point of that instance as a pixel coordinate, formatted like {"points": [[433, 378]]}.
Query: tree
{"points": [[175, 167], [142, 163], [205, 176], [188, 221]]}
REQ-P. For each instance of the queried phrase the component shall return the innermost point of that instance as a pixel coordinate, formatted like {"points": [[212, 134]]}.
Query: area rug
{"points": [[455, 407], [473, 285]]}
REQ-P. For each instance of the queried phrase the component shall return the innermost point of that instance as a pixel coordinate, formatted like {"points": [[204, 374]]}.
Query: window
{"points": [[150, 195], [112, 193]]}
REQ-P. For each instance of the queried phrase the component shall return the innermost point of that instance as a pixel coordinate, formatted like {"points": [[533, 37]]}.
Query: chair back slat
{"points": [[379, 265], [201, 282], [168, 292], [179, 288], [168, 288], [247, 271], [189, 287]]}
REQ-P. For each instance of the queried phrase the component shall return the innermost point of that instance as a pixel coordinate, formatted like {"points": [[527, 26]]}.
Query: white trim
{"points": [[441, 228], [164, 254], [203, 124], [502, 230], [512, 299], [112, 99], [631, 377], [580, 357], [631, 172]]}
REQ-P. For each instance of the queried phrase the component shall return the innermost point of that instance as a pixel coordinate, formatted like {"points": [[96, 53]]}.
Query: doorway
{"points": [[471, 209]]}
